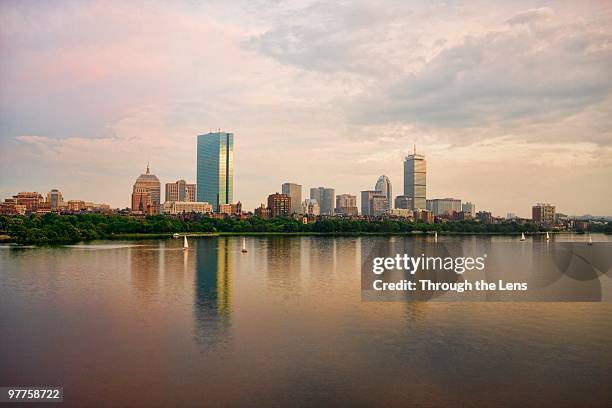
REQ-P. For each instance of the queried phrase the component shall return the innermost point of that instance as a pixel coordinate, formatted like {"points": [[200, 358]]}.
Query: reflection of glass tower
{"points": [[213, 287], [415, 180], [215, 174]]}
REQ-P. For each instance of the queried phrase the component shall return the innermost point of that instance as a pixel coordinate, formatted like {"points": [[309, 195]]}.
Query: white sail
{"points": [[522, 236], [590, 240], [547, 236], [185, 243], [436, 236], [244, 245]]}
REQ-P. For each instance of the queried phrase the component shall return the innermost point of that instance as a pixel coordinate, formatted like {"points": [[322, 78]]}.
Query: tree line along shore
{"points": [[59, 229]]}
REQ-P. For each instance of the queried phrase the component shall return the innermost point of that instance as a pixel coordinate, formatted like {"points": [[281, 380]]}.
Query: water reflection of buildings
{"points": [[177, 266], [144, 268], [321, 259], [283, 263], [213, 289]]}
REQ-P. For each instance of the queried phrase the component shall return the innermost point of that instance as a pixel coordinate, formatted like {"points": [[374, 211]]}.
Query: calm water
{"points": [[147, 324]]}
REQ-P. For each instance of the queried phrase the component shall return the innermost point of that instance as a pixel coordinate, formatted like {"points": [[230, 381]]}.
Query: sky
{"points": [[510, 102]]}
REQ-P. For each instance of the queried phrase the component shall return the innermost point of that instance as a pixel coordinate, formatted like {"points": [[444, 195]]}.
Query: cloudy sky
{"points": [[510, 102]]}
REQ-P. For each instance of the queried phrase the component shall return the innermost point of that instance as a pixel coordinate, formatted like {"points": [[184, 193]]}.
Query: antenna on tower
{"points": [[414, 146], [147, 166]]}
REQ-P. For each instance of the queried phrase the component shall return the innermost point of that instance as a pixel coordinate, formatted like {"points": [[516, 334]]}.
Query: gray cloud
{"points": [[509, 76], [531, 16], [535, 66], [332, 37]]}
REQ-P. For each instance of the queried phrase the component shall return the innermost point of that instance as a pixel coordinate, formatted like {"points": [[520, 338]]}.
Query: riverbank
{"points": [[65, 229]]}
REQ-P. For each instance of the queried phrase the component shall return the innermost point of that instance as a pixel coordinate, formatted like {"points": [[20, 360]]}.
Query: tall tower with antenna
{"points": [[415, 179]]}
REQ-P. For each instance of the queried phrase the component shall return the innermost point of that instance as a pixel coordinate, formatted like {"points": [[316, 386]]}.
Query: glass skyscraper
{"points": [[415, 180], [383, 186], [215, 174], [325, 198]]}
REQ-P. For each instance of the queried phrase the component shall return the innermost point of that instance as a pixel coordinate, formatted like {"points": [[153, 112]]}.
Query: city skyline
{"points": [[491, 94], [437, 206]]}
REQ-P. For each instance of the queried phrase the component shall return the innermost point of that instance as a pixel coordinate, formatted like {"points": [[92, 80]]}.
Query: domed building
{"points": [[146, 194]]}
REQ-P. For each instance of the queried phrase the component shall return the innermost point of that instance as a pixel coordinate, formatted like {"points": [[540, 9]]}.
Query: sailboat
{"points": [[185, 243], [435, 236], [590, 240], [244, 250], [547, 236], [522, 236]]}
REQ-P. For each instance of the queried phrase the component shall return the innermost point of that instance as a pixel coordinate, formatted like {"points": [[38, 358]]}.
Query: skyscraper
{"points": [[215, 173], [383, 186], [415, 179], [366, 201], [295, 192], [373, 203], [325, 198], [403, 202], [181, 191], [55, 199], [146, 194]]}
